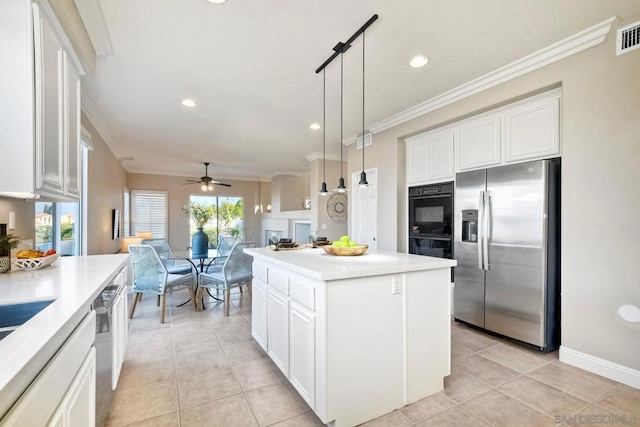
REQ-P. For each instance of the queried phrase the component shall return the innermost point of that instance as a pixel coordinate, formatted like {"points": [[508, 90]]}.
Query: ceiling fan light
{"points": [[204, 187], [210, 187]]}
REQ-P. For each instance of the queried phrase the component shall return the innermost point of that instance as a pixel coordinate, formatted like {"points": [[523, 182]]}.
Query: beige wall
{"points": [[178, 196], [288, 192], [319, 215], [600, 200], [25, 216], [106, 181], [70, 20]]}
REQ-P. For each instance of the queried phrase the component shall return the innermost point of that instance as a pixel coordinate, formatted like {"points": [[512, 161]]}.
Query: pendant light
{"points": [[323, 189], [341, 188], [363, 175]]}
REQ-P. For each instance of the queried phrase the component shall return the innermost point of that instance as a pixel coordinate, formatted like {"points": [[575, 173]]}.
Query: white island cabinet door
{"points": [[78, 406], [278, 332], [302, 357], [259, 312]]}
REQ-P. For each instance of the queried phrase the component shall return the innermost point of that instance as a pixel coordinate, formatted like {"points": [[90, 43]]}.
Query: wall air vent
{"points": [[628, 38]]}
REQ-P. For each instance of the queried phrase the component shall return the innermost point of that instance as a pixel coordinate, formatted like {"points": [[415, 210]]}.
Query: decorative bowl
{"points": [[35, 263], [346, 251]]}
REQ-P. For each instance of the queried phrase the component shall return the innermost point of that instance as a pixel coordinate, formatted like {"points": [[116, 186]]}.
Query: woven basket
{"points": [[35, 263], [346, 251]]}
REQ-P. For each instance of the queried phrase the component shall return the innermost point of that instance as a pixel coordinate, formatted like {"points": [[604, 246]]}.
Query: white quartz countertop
{"points": [[317, 264], [74, 282]]}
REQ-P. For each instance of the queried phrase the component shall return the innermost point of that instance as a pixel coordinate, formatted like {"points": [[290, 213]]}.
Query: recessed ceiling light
{"points": [[315, 126], [188, 102], [418, 61], [217, 1]]}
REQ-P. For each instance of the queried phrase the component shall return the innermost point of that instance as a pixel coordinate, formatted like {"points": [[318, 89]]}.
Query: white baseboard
{"points": [[613, 371]]}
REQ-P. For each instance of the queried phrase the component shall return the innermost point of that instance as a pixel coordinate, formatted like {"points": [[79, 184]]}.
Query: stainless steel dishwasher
{"points": [[103, 305]]}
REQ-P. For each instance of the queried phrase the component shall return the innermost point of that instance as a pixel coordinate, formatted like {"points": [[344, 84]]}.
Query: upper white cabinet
{"points": [[40, 135], [522, 131], [430, 157], [531, 131], [479, 143]]}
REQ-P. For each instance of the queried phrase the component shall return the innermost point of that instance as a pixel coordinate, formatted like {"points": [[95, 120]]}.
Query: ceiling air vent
{"points": [[628, 38]]}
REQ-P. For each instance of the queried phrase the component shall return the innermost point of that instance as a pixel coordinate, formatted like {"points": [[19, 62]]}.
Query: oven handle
{"points": [[431, 196]]}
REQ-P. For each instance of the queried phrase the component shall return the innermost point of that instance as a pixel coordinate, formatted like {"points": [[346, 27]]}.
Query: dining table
{"points": [[200, 259]]}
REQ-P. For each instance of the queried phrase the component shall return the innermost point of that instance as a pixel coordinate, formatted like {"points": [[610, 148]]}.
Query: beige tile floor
{"points": [[204, 369]]}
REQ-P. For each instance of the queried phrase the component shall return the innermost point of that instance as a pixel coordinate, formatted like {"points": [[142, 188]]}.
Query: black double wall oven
{"points": [[431, 220]]}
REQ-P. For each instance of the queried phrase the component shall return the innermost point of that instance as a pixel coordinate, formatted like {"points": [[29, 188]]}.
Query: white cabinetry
{"points": [[78, 406], [522, 131], [259, 312], [479, 143], [283, 323], [278, 329], [63, 394], [41, 89], [120, 326], [430, 157], [302, 351], [531, 131]]}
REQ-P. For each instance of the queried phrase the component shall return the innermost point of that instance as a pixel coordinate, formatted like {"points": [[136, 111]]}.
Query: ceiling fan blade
{"points": [[193, 181], [221, 183]]}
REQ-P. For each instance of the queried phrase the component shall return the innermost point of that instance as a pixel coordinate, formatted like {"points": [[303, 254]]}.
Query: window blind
{"points": [[149, 212], [126, 219]]}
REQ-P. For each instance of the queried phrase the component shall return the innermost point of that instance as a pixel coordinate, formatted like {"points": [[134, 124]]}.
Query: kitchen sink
{"points": [[14, 315]]}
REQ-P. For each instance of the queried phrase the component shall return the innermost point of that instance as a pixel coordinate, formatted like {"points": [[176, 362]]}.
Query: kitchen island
{"points": [[357, 337], [72, 283]]}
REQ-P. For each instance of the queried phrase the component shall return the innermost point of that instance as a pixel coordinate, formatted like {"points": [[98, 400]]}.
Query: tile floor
{"points": [[202, 369]]}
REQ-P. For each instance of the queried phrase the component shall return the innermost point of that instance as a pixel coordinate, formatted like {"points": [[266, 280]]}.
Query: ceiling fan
{"points": [[206, 181]]}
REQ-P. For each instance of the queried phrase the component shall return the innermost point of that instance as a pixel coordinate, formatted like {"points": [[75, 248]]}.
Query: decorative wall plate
{"points": [[306, 204], [337, 207]]}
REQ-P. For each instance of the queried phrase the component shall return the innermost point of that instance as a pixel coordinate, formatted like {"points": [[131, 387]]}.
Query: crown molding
{"points": [[318, 156], [92, 114], [576, 43], [93, 20]]}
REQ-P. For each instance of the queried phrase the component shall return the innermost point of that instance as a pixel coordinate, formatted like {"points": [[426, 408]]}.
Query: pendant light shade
{"points": [[341, 187], [363, 175], [323, 188]]}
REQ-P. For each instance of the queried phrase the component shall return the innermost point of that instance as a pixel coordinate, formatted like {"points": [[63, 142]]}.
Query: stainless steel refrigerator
{"points": [[507, 244]]}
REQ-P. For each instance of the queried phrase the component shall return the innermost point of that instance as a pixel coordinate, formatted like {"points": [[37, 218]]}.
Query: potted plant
{"points": [[200, 214], [7, 242]]}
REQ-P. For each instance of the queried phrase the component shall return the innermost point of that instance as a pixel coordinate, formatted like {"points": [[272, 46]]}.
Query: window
{"points": [[57, 227], [226, 219], [126, 202], [149, 212]]}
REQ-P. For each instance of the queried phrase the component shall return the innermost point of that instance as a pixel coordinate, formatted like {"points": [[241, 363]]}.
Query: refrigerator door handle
{"points": [[486, 229], [480, 230]]}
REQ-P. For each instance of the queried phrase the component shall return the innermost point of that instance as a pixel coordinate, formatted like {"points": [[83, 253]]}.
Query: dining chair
{"points": [[236, 271], [224, 248], [150, 276], [164, 251]]}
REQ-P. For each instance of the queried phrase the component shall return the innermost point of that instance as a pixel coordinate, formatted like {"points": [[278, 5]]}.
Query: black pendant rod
{"points": [[343, 47]]}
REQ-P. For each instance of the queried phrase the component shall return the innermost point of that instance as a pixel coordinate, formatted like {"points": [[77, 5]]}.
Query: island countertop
{"points": [[73, 282], [317, 264]]}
